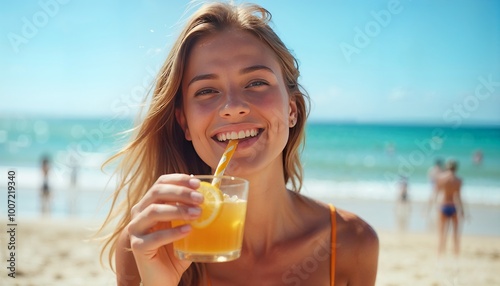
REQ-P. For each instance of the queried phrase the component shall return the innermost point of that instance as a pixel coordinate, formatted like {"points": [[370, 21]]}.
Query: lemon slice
{"points": [[211, 205]]}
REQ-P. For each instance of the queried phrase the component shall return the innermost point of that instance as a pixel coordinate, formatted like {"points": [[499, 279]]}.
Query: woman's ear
{"points": [[181, 119], [292, 115]]}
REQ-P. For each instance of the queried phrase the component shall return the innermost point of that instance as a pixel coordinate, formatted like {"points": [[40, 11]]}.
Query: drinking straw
{"points": [[224, 161]]}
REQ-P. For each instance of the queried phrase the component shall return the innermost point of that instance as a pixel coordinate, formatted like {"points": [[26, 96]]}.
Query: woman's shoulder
{"points": [[307, 206], [357, 246], [353, 228], [348, 225], [356, 241], [311, 202], [314, 216]]}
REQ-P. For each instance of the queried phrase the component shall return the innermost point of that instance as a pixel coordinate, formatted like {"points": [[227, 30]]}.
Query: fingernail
{"points": [[194, 183], [185, 228], [197, 197], [194, 211]]}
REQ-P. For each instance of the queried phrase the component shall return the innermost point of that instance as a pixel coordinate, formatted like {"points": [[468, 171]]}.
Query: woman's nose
{"points": [[234, 106]]}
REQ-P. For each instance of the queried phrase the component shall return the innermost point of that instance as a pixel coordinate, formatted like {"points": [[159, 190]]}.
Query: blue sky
{"points": [[367, 61]]}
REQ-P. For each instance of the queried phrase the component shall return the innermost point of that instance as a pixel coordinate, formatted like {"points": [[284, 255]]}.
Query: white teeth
{"points": [[237, 135]]}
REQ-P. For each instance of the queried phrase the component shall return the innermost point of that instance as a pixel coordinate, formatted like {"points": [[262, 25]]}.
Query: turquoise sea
{"points": [[371, 158], [342, 160]]}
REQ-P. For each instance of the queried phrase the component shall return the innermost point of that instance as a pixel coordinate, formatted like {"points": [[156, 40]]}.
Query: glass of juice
{"points": [[218, 234]]}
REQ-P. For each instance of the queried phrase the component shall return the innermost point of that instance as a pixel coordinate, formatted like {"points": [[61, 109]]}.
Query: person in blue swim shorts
{"points": [[451, 210]]}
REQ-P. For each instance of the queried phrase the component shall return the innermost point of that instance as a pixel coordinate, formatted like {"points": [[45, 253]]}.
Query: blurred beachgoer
{"points": [[432, 174], [390, 148], [477, 157], [451, 209], [230, 74], [73, 177], [403, 206], [73, 188], [45, 190]]}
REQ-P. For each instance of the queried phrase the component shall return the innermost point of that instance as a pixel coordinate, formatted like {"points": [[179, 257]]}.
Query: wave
{"points": [[89, 197], [380, 190], [91, 179]]}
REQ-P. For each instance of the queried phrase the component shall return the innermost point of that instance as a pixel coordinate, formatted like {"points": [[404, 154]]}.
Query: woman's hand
{"points": [[172, 197]]}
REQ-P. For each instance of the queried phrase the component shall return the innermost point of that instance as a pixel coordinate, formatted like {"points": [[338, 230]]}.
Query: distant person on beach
{"points": [[477, 157], [74, 166], [229, 73], [390, 148], [403, 207], [450, 205], [432, 174], [73, 181], [45, 190]]}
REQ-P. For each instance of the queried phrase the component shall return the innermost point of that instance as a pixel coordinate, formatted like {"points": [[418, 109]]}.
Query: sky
{"points": [[361, 61]]}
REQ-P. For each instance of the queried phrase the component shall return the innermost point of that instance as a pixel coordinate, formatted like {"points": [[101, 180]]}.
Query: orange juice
{"points": [[220, 240]]}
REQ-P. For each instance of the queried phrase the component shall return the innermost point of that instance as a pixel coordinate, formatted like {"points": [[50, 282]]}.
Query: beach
{"points": [[54, 252], [60, 251], [410, 259]]}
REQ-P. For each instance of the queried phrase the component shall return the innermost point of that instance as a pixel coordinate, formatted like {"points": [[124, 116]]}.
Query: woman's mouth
{"points": [[240, 135]]}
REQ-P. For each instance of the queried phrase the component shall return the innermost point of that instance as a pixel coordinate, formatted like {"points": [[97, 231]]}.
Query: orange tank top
{"points": [[333, 247]]}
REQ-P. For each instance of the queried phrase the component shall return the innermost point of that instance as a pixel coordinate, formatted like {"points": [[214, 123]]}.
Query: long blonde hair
{"points": [[158, 146]]}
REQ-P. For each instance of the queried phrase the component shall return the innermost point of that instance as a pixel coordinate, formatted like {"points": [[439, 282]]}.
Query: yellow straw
{"points": [[224, 161]]}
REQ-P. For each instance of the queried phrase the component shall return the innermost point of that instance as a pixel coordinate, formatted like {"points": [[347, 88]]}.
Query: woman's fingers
{"points": [[178, 179], [156, 213], [149, 243], [172, 188], [172, 193], [172, 197]]}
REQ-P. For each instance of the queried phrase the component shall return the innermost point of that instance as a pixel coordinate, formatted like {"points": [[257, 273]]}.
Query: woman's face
{"points": [[233, 87]]}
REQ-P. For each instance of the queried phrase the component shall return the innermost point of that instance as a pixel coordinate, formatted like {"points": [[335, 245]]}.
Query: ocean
{"points": [[368, 160], [341, 160]]}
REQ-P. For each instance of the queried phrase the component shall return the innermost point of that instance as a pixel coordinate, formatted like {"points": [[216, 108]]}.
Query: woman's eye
{"points": [[257, 83], [205, 91]]}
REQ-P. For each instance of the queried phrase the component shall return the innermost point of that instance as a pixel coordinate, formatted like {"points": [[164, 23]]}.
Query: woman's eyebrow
{"points": [[202, 77], [242, 71], [256, 68]]}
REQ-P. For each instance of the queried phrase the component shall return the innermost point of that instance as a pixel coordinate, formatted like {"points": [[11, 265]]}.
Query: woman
{"points": [[229, 72]]}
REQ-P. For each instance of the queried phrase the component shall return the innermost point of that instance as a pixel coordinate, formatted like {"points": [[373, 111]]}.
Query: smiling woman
{"points": [[229, 76], [240, 89]]}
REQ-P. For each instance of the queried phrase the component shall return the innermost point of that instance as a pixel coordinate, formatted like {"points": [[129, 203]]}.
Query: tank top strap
{"points": [[333, 244]]}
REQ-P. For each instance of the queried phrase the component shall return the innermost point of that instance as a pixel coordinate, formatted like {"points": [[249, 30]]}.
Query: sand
{"points": [[411, 259], [58, 252], [55, 252]]}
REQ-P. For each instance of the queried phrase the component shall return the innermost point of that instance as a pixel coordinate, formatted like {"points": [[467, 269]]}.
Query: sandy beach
{"points": [[410, 259], [59, 252], [55, 252]]}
